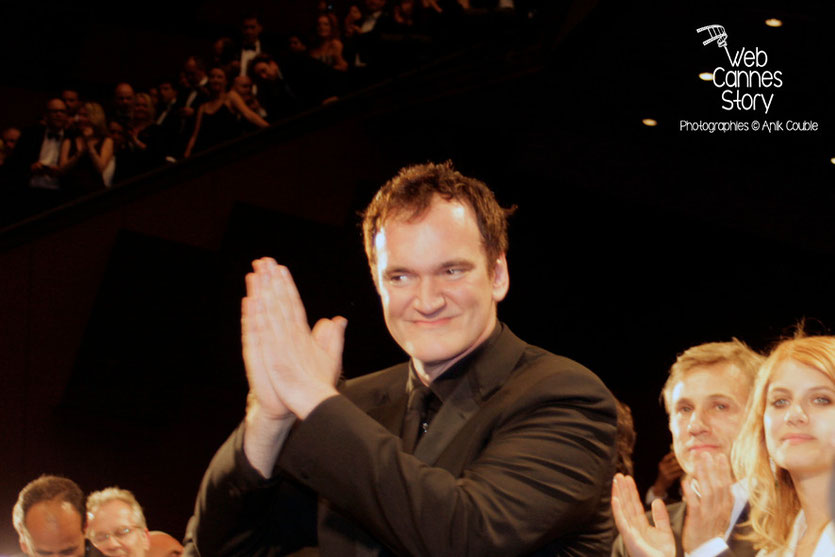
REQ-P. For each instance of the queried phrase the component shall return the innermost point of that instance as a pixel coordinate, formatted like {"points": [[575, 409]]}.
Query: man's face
{"points": [[243, 85], [54, 530], [439, 300], [250, 30], [10, 137], [71, 100], [266, 71], [124, 96], [114, 532], [56, 114], [167, 93], [194, 75], [706, 411]]}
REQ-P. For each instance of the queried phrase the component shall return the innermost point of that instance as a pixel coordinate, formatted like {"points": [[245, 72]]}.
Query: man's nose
{"points": [[429, 298], [698, 422]]}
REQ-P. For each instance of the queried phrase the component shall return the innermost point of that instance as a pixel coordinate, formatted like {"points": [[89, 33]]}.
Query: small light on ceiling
{"points": [[832, 160], [706, 76], [649, 122], [774, 22]]}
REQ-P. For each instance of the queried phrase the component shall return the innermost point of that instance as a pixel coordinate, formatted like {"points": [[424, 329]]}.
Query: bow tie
{"points": [[251, 48], [53, 136]]}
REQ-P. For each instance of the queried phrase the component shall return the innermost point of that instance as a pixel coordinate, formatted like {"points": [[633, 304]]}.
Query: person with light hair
{"points": [[705, 396], [116, 524], [786, 450]]}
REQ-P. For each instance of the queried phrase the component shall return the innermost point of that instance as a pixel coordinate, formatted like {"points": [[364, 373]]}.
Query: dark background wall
{"points": [[119, 339]]}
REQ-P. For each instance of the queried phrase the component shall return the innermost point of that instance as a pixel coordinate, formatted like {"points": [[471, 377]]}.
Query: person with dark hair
{"points": [[124, 99], [480, 444], [275, 92], [50, 519], [625, 439]]}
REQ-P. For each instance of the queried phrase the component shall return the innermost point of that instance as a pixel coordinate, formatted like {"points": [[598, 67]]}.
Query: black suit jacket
{"points": [[518, 461], [677, 511]]}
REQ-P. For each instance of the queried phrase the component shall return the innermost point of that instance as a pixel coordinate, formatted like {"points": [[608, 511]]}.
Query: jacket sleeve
{"points": [[240, 514], [541, 473]]}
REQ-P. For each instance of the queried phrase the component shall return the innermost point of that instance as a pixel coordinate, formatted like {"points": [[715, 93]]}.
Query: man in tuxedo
{"points": [[50, 520], [480, 444], [250, 45], [705, 397]]}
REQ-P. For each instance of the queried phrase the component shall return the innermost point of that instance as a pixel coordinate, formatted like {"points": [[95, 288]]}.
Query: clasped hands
{"points": [[709, 500], [291, 369]]}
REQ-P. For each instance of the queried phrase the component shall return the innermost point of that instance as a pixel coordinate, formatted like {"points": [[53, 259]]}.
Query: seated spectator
{"points": [[33, 174], [280, 94], [164, 545], [169, 122], [8, 138], [296, 44], [49, 519], [116, 524], [145, 134], [328, 47], [195, 91], [223, 56], [242, 85], [217, 118], [86, 160], [124, 99]]}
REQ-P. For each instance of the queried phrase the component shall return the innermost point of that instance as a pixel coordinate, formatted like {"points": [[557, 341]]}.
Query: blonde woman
{"points": [[786, 451], [87, 159]]}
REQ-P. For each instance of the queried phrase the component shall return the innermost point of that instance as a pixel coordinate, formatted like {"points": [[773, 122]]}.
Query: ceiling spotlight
{"points": [[706, 76], [832, 160], [650, 122], [774, 22]]}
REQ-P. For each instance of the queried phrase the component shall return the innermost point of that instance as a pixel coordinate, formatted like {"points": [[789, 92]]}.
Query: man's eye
{"points": [[822, 400], [721, 406], [685, 409], [779, 403]]}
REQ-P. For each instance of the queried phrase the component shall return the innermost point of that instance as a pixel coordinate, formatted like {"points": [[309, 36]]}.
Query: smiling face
{"points": [[439, 298], [217, 80], [799, 419], [706, 411]]}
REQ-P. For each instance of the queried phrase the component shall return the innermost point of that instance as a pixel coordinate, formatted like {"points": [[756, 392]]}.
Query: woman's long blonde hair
{"points": [[771, 493]]}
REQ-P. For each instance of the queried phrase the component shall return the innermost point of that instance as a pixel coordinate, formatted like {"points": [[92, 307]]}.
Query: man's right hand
{"points": [[640, 537]]}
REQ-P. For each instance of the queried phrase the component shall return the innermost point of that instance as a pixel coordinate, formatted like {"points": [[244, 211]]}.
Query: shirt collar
{"points": [[445, 384]]}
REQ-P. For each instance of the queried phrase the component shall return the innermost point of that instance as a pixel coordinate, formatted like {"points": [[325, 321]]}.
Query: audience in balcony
{"points": [[217, 118]]}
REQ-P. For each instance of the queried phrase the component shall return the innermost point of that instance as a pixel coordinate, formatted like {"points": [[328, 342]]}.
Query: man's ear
{"points": [[501, 278], [24, 547]]}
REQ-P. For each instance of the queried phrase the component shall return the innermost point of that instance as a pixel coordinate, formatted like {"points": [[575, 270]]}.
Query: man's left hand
{"points": [[709, 499]]}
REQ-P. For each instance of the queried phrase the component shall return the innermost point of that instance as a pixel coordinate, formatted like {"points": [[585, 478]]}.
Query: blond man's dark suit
{"points": [[518, 461], [677, 511]]}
